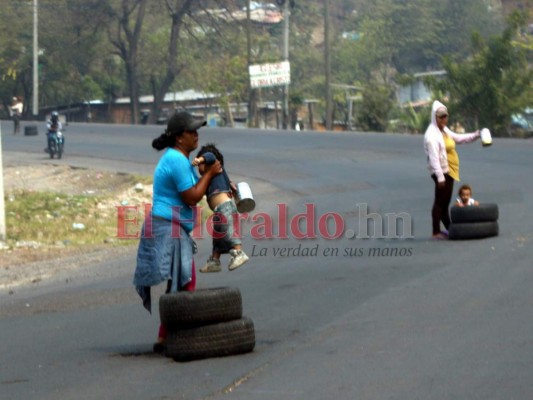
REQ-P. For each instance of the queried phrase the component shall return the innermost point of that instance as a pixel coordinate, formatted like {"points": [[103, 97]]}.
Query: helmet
{"points": [[55, 114]]}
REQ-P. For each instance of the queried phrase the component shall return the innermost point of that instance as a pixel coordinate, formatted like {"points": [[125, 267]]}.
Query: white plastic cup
{"points": [[245, 199], [486, 138]]}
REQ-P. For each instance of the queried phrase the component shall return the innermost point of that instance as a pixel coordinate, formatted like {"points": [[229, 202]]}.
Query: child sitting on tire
{"points": [[465, 197]]}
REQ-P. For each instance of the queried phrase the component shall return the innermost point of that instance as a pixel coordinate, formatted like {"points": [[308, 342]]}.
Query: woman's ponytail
{"points": [[163, 141]]}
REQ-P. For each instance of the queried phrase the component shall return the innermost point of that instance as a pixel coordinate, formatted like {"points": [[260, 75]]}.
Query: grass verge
{"points": [[50, 218]]}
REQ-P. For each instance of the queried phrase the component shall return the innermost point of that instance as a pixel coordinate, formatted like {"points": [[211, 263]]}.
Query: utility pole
{"points": [[286, 14], [251, 91], [327, 55], [35, 108], [2, 204]]}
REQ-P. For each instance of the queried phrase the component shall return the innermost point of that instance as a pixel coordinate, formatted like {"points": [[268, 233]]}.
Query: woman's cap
{"points": [[441, 111], [183, 121]]}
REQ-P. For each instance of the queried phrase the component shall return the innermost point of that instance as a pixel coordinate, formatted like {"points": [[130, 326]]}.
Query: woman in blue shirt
{"points": [[166, 250]]}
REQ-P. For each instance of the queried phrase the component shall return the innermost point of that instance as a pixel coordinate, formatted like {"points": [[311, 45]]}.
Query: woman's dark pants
{"points": [[443, 196]]}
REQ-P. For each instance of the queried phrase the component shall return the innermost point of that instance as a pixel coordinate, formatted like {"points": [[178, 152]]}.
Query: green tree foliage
{"points": [[127, 18], [411, 36], [416, 121], [396, 37], [306, 56], [457, 20], [185, 44], [493, 84], [377, 104], [71, 49], [15, 53]]}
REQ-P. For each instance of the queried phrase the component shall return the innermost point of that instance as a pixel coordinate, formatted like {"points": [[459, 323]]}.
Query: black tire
{"points": [[59, 150], [473, 230], [30, 130], [480, 213], [52, 147], [216, 340], [184, 310]]}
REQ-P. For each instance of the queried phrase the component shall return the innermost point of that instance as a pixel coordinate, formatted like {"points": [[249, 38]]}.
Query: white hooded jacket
{"points": [[434, 144]]}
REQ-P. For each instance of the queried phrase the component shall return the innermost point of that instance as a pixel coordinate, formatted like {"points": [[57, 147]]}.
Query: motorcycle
{"points": [[55, 143]]}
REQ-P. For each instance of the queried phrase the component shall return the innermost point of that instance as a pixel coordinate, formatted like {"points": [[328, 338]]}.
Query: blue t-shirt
{"points": [[173, 174]]}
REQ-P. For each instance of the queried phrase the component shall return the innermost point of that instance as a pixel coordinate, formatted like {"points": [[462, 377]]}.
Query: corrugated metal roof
{"points": [[186, 95]]}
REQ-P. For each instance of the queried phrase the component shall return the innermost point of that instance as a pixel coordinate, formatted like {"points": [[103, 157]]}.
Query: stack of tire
{"points": [[474, 222], [205, 323]]}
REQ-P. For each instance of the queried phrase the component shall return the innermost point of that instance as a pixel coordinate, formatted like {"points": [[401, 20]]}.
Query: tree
{"points": [[378, 101], [411, 36], [162, 45], [191, 36], [493, 84], [456, 20], [15, 53], [173, 60], [71, 49], [125, 38]]}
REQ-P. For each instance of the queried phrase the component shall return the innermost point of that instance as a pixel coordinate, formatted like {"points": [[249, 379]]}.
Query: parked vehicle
{"points": [[522, 124]]}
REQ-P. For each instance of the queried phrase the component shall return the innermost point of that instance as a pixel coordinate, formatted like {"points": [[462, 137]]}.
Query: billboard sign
{"points": [[266, 75]]}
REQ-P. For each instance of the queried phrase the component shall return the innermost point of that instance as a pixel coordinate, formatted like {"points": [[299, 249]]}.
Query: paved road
{"points": [[421, 320]]}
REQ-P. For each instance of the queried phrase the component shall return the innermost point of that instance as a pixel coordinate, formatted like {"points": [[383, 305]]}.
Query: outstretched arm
{"points": [[461, 138]]}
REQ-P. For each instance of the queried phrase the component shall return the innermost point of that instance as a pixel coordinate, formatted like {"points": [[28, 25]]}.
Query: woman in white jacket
{"points": [[443, 164]]}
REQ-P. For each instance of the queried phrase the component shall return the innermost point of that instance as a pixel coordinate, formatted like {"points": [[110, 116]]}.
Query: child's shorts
{"points": [[226, 243]]}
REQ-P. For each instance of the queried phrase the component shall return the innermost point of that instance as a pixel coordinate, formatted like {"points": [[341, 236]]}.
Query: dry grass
{"points": [[56, 211]]}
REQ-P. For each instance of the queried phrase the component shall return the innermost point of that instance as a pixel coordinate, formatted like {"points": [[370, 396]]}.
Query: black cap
{"points": [[183, 121]]}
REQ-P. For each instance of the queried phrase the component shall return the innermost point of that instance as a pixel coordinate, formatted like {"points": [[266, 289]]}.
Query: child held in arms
{"points": [[220, 197]]}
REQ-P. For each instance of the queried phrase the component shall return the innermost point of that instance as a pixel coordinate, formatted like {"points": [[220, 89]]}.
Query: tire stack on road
{"points": [[474, 222], [31, 130], [205, 323]]}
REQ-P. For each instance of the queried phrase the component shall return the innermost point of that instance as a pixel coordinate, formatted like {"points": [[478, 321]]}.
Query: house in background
{"points": [[417, 93], [118, 111]]}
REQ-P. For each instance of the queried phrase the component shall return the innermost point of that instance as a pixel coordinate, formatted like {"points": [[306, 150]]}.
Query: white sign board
{"points": [[265, 75]]}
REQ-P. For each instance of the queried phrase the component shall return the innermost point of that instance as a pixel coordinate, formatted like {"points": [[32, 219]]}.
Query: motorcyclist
{"points": [[16, 113], [53, 126]]}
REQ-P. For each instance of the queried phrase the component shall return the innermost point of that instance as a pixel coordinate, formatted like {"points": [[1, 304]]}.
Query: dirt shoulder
{"points": [[29, 262]]}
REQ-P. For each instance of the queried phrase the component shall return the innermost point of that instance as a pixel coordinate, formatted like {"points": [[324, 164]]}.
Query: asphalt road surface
{"points": [[378, 313]]}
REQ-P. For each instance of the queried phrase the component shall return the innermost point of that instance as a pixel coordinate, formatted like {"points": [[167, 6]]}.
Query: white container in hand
{"points": [[245, 199], [486, 138]]}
